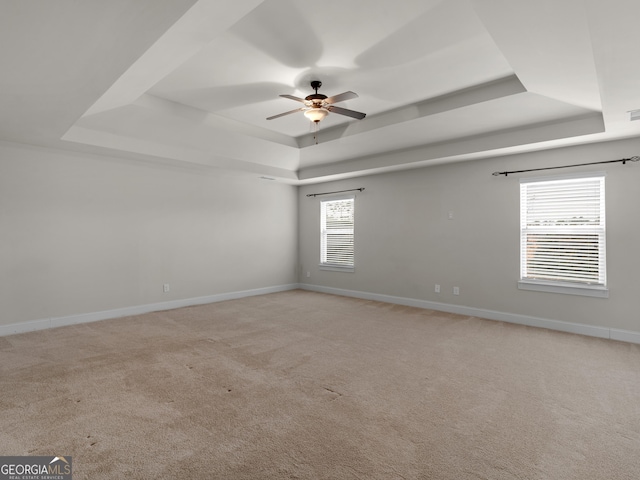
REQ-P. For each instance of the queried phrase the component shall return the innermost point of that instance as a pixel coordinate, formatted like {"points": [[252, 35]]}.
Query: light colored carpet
{"points": [[302, 385]]}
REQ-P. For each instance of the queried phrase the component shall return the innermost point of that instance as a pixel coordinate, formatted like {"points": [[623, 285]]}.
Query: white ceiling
{"points": [[191, 82]]}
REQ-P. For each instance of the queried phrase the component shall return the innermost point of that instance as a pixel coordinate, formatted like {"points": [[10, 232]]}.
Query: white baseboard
{"points": [[625, 335], [590, 330], [136, 310]]}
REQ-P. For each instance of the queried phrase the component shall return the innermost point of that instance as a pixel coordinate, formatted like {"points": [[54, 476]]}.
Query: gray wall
{"points": [[83, 234], [405, 243]]}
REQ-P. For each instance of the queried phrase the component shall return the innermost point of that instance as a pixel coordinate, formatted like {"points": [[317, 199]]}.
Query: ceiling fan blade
{"points": [[286, 113], [291, 97], [341, 97], [347, 112]]}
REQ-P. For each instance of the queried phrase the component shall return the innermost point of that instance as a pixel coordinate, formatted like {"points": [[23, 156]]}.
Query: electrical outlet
{"points": [[450, 215], [456, 290], [165, 287], [437, 289], [308, 274]]}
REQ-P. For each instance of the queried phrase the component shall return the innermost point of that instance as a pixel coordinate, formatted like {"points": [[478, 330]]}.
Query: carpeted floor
{"points": [[302, 385]]}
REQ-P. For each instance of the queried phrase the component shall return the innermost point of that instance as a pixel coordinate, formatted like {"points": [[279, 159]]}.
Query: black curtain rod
{"points": [[340, 191], [623, 160]]}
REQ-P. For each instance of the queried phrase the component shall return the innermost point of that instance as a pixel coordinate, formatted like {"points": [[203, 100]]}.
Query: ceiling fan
{"points": [[317, 106]]}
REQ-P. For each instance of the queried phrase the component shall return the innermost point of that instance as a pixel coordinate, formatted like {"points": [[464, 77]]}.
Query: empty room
{"points": [[286, 239]]}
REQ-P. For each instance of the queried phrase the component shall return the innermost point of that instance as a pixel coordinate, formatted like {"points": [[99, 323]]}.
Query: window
{"points": [[562, 235], [336, 237]]}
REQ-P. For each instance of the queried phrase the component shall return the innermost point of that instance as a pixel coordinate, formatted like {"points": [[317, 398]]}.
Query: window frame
{"points": [[335, 266], [556, 286]]}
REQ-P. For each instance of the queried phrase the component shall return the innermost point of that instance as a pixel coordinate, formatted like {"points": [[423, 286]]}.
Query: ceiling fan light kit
{"points": [[315, 114]]}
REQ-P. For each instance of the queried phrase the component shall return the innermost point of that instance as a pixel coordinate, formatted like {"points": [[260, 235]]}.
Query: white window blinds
{"points": [[337, 226], [562, 227]]}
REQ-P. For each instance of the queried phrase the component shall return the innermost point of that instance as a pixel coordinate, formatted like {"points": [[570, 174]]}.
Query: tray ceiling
{"points": [[192, 82]]}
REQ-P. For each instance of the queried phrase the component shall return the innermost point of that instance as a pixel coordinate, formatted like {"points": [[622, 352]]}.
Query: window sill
{"points": [[336, 268], [565, 288]]}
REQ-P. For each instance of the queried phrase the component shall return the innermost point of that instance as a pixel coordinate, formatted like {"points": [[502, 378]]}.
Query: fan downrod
{"points": [[316, 98]]}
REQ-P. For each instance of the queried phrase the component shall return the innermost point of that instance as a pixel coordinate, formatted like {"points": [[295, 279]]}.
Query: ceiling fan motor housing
{"points": [[315, 97]]}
